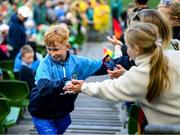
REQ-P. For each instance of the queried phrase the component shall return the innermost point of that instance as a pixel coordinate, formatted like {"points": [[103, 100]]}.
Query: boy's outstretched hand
{"points": [[74, 85]]}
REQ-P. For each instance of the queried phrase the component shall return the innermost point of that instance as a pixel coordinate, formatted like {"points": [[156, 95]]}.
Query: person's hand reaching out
{"points": [[116, 72], [114, 41], [74, 86]]}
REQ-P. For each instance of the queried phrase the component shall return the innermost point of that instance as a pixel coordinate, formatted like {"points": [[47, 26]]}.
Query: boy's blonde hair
{"points": [[56, 33], [163, 24], [26, 49], [145, 36]]}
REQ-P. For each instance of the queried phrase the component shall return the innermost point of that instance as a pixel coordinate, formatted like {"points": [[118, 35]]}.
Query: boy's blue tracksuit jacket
{"points": [[46, 99]]}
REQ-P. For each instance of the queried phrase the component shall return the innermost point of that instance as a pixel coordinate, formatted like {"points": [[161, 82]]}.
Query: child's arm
{"points": [[117, 72], [91, 67], [117, 46], [44, 85], [122, 64], [47, 87], [114, 41], [102, 70], [125, 62], [120, 48]]}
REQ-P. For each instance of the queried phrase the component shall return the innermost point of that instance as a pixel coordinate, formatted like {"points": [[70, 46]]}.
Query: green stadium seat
{"points": [[8, 115], [4, 110], [12, 117], [14, 90], [15, 93], [8, 74], [41, 49], [7, 64], [16, 75]]}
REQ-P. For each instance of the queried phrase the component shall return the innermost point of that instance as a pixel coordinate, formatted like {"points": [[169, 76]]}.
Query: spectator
{"points": [[140, 4], [50, 15], [31, 31], [4, 52], [12, 10], [97, 14], [89, 13], [154, 17], [40, 11], [116, 6], [26, 73], [17, 31], [154, 82], [105, 18], [36, 60], [60, 11], [172, 11]]}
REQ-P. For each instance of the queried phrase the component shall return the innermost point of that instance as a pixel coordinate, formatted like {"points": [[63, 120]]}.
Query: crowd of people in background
{"points": [[30, 19], [24, 22]]}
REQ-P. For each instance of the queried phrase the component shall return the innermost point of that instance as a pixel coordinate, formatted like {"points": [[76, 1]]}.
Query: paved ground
{"points": [[91, 116]]}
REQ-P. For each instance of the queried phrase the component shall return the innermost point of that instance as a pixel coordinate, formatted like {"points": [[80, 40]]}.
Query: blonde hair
{"points": [[163, 24], [26, 49], [174, 13], [145, 36], [56, 33]]}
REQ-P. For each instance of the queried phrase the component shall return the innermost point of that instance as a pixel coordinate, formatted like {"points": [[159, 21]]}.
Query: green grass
{"points": [[151, 3]]}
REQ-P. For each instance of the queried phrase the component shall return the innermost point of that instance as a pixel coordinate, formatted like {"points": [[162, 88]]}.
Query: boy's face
{"points": [[58, 51], [28, 58]]}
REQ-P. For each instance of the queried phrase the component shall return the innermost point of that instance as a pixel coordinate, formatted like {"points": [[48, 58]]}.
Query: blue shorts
{"points": [[52, 126]]}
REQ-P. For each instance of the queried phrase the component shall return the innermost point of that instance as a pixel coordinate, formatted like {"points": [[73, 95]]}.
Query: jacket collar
{"points": [[145, 58]]}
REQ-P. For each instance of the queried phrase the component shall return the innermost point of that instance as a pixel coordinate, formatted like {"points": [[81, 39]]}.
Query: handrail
{"points": [[162, 129]]}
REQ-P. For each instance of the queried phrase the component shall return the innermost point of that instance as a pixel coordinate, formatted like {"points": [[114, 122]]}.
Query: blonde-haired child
{"points": [[150, 16], [49, 106], [156, 18], [172, 11], [26, 73], [154, 81]]}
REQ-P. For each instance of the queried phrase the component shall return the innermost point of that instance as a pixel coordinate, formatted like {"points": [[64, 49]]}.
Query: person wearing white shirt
{"points": [[154, 82]]}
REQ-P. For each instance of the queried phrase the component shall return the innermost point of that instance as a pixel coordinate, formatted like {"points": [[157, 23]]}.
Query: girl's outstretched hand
{"points": [[74, 85], [116, 72], [114, 40]]}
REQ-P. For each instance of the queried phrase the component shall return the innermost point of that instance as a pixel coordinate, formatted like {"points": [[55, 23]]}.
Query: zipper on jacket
{"points": [[64, 71]]}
